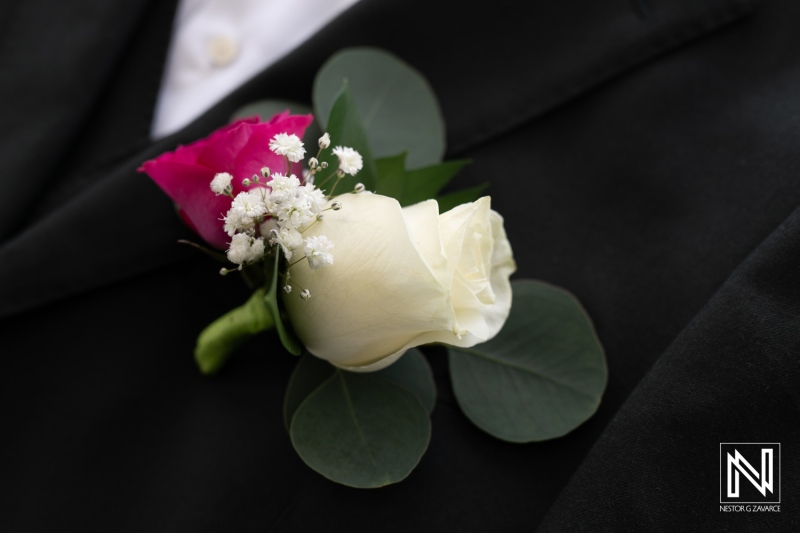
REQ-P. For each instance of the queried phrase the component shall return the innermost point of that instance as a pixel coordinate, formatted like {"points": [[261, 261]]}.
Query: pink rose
{"points": [[241, 149]]}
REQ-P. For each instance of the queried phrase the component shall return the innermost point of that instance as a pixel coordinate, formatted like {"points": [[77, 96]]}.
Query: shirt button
{"points": [[222, 50]]}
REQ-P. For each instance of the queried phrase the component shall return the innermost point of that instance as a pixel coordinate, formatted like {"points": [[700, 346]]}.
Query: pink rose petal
{"points": [[240, 148]]}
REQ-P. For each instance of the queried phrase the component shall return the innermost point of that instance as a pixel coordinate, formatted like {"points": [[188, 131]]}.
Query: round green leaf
{"points": [[361, 430], [541, 376], [309, 373], [397, 106], [413, 372]]}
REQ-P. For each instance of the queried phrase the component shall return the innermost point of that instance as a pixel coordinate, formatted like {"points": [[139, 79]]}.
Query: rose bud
{"points": [[240, 149], [402, 278]]}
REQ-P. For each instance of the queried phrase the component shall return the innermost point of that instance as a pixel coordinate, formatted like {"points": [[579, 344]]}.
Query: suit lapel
{"points": [[730, 376], [118, 125], [490, 77], [59, 57]]}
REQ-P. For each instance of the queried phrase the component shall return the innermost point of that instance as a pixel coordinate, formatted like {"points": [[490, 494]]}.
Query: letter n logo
{"points": [[750, 472]]}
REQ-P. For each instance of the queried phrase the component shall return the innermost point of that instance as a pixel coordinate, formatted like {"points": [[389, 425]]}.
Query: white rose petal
{"points": [[403, 277]]}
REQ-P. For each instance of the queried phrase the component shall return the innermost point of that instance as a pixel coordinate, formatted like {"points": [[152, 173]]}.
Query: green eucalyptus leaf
{"points": [[398, 108], [345, 129], [464, 196], [273, 301], [412, 186], [221, 338], [425, 183], [266, 109], [413, 372], [391, 176], [361, 430], [541, 377], [309, 373]]}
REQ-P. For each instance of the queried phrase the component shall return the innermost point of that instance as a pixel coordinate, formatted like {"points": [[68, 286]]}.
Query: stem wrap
{"points": [[223, 336]]}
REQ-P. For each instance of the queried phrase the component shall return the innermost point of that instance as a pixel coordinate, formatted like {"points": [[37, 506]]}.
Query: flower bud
{"points": [[313, 162], [324, 164], [359, 187], [430, 301], [336, 205], [246, 182], [287, 288], [265, 172], [305, 294], [324, 141]]}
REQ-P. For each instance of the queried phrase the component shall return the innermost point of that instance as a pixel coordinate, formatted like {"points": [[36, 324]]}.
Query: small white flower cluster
{"points": [[281, 210], [278, 210], [221, 184], [289, 146], [350, 161]]}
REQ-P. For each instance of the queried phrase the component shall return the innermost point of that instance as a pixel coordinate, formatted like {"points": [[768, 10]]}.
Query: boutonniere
{"points": [[336, 219]]}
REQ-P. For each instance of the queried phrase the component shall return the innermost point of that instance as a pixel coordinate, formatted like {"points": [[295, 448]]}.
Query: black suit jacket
{"points": [[644, 155]]}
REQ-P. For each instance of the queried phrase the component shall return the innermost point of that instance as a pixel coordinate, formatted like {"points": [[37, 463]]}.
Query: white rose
{"points": [[401, 278]]}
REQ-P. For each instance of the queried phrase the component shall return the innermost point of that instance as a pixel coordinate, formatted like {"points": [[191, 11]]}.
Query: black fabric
{"points": [[643, 155], [56, 61], [730, 376]]}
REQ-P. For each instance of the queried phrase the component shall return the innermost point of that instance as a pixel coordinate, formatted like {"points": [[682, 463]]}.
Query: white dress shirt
{"points": [[219, 44]]}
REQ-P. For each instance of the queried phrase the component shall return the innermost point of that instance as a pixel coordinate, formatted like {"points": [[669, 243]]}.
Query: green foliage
{"points": [[223, 336], [309, 373], [394, 102], [273, 301], [362, 430], [414, 373], [412, 186], [541, 376], [345, 129], [262, 311]]}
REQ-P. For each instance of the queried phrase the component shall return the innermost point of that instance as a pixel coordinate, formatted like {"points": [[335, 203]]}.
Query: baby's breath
{"points": [[288, 145], [280, 207]]}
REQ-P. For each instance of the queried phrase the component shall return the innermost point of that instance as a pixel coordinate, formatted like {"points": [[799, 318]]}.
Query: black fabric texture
{"points": [[643, 154]]}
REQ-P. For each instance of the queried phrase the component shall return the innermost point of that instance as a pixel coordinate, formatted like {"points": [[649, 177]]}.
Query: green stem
{"points": [[223, 336]]}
